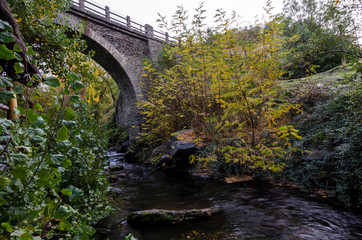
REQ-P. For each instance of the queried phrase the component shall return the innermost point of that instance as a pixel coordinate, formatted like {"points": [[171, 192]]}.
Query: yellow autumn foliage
{"points": [[223, 86]]}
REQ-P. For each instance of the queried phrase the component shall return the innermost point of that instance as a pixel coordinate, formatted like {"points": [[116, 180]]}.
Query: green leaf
{"points": [[7, 227], [36, 77], [73, 77], [65, 225], [5, 123], [74, 99], [62, 134], [69, 124], [6, 96], [69, 114], [78, 138], [17, 48], [32, 116], [6, 37], [20, 173], [130, 237], [40, 122], [5, 53], [66, 191], [5, 26], [44, 176], [4, 138], [2, 201], [52, 82], [64, 144], [19, 158], [18, 56], [67, 163], [58, 159], [38, 107], [19, 67], [18, 89], [76, 193], [30, 51], [36, 140], [62, 213], [75, 151], [77, 85], [26, 236], [5, 82], [4, 181]]}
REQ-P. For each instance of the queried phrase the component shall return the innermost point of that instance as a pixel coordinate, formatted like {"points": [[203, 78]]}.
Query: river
{"points": [[248, 211]]}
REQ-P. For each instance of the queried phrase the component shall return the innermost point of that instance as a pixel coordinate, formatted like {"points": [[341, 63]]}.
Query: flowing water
{"points": [[260, 211]]}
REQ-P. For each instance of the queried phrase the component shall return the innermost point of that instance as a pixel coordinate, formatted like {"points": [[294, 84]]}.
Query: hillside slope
{"points": [[331, 126]]}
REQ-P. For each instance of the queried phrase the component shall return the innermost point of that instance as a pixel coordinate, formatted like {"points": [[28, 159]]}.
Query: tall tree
{"points": [[320, 36]]}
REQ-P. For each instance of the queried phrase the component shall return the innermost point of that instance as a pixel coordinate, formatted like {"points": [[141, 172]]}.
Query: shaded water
{"points": [[261, 211]]}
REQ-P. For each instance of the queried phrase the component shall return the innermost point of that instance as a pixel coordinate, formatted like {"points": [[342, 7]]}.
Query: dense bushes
{"points": [[222, 85], [333, 133], [51, 181]]}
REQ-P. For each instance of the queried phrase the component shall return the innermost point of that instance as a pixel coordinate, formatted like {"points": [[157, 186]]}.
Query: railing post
{"points": [[108, 14], [149, 30], [81, 5], [128, 18], [166, 36]]}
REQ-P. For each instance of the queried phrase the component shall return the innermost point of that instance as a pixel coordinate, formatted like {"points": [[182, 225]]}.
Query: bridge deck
{"points": [[125, 22]]}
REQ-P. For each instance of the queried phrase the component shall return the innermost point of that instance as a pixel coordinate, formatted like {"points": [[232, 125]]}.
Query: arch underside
{"points": [[126, 105], [119, 67]]}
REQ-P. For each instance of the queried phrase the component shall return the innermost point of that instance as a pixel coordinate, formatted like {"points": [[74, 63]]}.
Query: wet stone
{"points": [[161, 216], [115, 190], [116, 168]]}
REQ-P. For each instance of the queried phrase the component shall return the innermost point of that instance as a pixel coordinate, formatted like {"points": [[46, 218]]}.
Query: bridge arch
{"points": [[121, 69], [116, 64], [120, 46]]}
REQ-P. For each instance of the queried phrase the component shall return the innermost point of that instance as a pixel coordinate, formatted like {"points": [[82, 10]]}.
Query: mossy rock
{"points": [[160, 216]]}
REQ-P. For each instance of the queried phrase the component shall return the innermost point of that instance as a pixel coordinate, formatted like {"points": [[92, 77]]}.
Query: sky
{"points": [[146, 11]]}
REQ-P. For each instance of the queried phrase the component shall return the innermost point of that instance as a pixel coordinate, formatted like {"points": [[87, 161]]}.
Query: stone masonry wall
{"points": [[121, 53]]}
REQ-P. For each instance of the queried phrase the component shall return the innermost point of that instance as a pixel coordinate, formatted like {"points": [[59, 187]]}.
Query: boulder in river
{"points": [[176, 154], [115, 191], [161, 216], [124, 147]]}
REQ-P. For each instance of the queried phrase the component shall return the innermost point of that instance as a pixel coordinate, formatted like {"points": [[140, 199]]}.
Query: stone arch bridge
{"points": [[120, 45]]}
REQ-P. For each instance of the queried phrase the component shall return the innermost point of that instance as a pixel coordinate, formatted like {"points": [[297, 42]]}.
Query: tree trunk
{"points": [[13, 103]]}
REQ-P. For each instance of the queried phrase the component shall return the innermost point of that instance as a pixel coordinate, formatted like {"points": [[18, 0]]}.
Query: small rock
{"points": [[112, 164], [116, 168], [165, 160], [320, 85], [124, 147], [115, 190], [160, 150], [102, 233], [112, 178], [183, 150]]}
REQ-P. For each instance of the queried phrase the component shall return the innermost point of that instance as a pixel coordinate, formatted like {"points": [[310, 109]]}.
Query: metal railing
{"points": [[118, 19]]}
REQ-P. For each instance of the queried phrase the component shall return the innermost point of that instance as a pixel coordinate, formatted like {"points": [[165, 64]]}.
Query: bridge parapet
{"points": [[104, 12]]}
